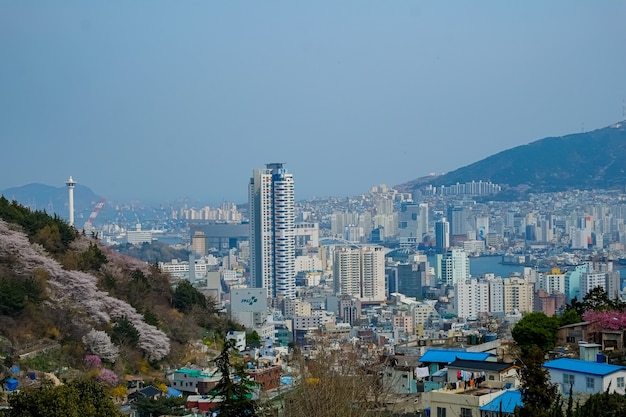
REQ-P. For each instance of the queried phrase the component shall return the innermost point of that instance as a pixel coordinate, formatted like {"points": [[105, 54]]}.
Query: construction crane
{"points": [[88, 227]]}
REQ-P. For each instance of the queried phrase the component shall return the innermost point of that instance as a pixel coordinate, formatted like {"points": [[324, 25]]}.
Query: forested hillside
{"points": [[62, 289]]}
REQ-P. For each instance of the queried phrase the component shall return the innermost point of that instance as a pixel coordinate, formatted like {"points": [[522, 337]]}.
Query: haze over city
{"points": [[157, 101]]}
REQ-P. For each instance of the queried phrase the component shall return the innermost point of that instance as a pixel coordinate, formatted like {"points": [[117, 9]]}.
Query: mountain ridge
{"points": [[594, 159]]}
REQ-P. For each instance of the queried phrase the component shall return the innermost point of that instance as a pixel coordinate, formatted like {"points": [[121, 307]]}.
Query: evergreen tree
{"points": [[234, 388], [539, 395]]}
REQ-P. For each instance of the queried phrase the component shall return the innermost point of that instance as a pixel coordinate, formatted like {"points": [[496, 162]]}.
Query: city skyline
{"points": [[153, 105]]}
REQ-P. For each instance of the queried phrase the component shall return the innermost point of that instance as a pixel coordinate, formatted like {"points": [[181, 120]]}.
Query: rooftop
{"points": [[509, 401], [447, 356], [583, 367], [480, 365]]}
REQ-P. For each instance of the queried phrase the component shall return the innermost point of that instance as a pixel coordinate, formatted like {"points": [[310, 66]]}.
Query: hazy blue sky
{"points": [[160, 100]]}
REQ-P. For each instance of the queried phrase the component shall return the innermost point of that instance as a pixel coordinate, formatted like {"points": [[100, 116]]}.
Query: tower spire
{"points": [[70, 183]]}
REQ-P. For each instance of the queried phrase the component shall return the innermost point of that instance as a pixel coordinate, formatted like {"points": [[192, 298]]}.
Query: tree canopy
{"points": [[536, 329], [82, 398], [538, 394], [234, 389]]}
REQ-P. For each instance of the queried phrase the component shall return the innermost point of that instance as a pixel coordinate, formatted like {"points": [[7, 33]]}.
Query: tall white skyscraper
{"points": [[272, 231]]}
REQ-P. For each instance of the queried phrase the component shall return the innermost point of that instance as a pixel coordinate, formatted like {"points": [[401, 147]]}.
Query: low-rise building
{"points": [[194, 381], [267, 377], [585, 377], [482, 373], [459, 401], [503, 406]]}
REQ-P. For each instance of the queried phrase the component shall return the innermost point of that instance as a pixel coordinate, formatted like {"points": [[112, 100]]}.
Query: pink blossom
{"points": [[93, 361], [107, 377], [79, 290], [605, 320]]}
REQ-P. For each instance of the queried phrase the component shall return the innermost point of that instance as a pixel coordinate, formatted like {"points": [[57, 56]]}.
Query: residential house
{"points": [[194, 381], [238, 338], [571, 334], [482, 374], [437, 359], [267, 377], [585, 377], [459, 402]]}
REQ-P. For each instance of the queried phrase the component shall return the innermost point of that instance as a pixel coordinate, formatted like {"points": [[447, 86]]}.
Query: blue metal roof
{"points": [[447, 356], [583, 367], [509, 401]]}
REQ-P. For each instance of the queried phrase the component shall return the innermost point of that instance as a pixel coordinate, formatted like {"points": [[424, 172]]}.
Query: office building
{"points": [[272, 231], [457, 216], [198, 243], [442, 236]]}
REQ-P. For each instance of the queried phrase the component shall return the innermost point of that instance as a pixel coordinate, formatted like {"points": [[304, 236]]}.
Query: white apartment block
{"points": [[360, 272], [310, 262], [496, 295], [180, 269], [307, 235], [324, 316], [471, 298], [423, 312], [552, 283], [474, 246], [590, 280]]}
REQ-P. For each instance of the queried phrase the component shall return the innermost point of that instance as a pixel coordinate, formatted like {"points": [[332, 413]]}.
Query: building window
{"points": [[568, 380], [466, 412], [620, 382], [591, 383], [441, 412]]}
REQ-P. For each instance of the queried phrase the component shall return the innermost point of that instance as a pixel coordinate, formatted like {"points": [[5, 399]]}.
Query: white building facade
{"points": [[272, 231]]}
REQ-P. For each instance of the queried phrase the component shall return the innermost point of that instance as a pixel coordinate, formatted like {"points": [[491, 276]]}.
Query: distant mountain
{"points": [[595, 159], [53, 199]]}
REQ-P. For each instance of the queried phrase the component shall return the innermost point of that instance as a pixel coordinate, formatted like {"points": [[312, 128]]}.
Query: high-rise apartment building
{"points": [[471, 298], [518, 295], [455, 267], [272, 231], [552, 282], [360, 272]]}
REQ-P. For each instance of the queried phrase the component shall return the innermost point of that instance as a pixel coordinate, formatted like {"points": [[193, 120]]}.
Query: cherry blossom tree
{"points": [[79, 289], [107, 377], [99, 343], [605, 320], [93, 361]]}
